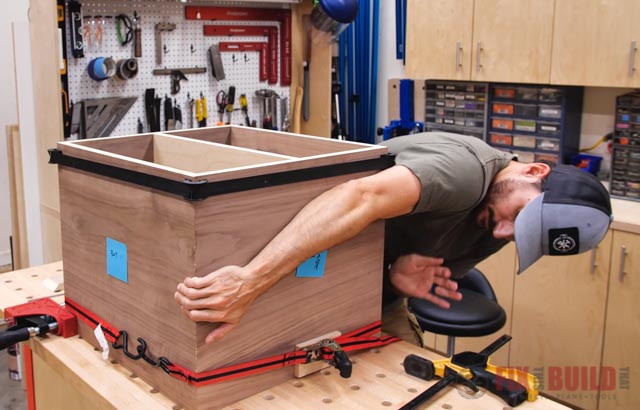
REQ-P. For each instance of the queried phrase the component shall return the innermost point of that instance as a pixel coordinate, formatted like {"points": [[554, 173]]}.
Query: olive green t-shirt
{"points": [[455, 172]]}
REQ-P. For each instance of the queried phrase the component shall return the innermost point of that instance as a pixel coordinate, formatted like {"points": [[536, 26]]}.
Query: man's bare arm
{"points": [[330, 219]]}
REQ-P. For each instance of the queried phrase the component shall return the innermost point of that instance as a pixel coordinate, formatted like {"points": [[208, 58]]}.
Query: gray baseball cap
{"points": [[570, 216]]}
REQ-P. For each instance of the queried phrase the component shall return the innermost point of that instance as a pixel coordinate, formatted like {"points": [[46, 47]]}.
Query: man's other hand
{"points": [[414, 276]]}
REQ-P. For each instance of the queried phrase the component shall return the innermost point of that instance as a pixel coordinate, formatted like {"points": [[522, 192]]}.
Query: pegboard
{"points": [[186, 47]]}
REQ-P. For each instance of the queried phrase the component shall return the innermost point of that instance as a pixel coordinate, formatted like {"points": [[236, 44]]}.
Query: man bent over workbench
{"points": [[450, 201]]}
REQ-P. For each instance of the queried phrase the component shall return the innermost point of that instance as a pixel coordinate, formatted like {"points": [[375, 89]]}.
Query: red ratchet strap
{"points": [[356, 340], [111, 333]]}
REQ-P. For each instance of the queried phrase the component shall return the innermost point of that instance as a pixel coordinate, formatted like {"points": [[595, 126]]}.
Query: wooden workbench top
{"points": [[378, 379]]}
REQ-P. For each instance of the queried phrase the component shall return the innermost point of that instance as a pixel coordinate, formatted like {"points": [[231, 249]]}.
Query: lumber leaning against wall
{"points": [[16, 193]]}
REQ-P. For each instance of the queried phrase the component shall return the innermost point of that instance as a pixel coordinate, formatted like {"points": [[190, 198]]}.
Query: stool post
{"points": [[451, 345]]}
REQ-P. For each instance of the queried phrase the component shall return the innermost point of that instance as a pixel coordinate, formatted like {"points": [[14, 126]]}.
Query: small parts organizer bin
{"points": [[536, 122], [458, 107], [625, 166]]}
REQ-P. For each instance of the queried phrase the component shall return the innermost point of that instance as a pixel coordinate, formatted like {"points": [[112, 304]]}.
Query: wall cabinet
{"points": [[558, 319], [439, 39], [621, 360], [595, 43], [512, 40], [575, 323], [564, 42], [481, 40]]}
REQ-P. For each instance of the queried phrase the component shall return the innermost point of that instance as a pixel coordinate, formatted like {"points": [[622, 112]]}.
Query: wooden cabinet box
{"points": [[140, 213]]}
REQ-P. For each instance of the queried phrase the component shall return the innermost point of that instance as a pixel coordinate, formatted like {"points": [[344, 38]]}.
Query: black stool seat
{"points": [[474, 315]]}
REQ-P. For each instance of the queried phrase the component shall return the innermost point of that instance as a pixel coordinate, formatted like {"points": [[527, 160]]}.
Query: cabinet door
{"points": [[592, 43], [512, 40], [439, 39], [620, 386], [558, 320]]}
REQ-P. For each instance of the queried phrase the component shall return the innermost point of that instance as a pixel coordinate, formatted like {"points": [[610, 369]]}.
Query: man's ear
{"points": [[538, 170]]}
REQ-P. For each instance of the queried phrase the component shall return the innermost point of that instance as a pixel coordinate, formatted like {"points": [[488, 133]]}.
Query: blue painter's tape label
{"points": [[117, 260], [312, 267]]}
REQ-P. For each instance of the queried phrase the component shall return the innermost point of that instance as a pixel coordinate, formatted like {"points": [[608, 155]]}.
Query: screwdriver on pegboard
{"points": [[231, 96]]}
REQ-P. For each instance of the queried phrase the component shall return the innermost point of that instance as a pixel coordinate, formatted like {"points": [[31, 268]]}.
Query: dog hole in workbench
{"points": [[269, 397], [7, 281], [176, 407], [327, 400], [97, 349], [375, 350], [18, 289], [381, 375], [298, 384], [354, 387], [325, 372], [386, 403], [29, 297], [447, 406], [154, 391], [133, 376], [35, 275], [412, 390]]}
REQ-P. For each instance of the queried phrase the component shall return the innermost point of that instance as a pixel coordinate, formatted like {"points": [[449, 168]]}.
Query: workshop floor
{"points": [[12, 396]]}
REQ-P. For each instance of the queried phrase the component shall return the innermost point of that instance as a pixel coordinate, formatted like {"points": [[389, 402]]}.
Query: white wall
{"points": [[12, 11]]}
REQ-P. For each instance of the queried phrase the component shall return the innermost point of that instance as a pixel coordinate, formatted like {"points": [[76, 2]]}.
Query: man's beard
{"points": [[500, 191]]}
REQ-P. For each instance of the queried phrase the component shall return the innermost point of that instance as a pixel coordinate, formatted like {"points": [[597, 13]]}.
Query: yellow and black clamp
{"points": [[473, 370]]}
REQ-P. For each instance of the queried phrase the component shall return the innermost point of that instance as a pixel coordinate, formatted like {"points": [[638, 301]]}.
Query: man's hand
{"points": [[222, 297], [414, 276]]}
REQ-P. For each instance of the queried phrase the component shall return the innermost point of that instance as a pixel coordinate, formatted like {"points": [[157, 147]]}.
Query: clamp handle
{"points": [[508, 390], [342, 362], [11, 337], [419, 367]]}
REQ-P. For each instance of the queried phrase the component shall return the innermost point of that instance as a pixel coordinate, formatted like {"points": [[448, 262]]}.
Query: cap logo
{"points": [[563, 241]]}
